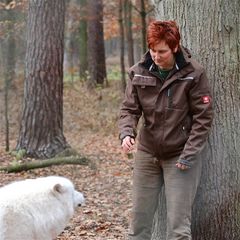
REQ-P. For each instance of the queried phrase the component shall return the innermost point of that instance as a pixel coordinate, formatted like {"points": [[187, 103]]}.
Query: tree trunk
{"points": [[83, 40], [211, 30], [128, 28], [122, 45], [143, 15], [41, 129], [96, 51]]}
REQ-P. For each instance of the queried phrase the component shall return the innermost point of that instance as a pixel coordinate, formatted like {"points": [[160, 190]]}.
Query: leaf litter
{"points": [[90, 127]]}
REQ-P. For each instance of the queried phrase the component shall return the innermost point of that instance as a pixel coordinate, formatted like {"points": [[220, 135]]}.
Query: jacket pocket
{"points": [[147, 90], [176, 130], [187, 126], [145, 139], [144, 81], [177, 93]]}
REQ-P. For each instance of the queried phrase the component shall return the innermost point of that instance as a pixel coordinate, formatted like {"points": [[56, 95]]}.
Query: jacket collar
{"points": [[181, 57], [183, 66]]}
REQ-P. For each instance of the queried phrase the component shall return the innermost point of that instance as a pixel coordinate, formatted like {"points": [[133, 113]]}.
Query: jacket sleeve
{"points": [[201, 107], [130, 111]]}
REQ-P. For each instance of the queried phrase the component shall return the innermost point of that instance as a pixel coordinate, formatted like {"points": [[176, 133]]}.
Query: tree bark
{"points": [[41, 127], [96, 51], [211, 30]]}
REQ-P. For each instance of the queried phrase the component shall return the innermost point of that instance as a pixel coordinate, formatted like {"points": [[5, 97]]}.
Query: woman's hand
{"points": [[182, 166], [128, 144]]}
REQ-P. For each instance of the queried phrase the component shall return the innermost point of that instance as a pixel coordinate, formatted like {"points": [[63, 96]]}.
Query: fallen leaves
{"points": [[90, 128]]}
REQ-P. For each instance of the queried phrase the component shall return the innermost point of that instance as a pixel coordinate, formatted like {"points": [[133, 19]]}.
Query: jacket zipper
{"points": [[170, 99], [184, 131]]}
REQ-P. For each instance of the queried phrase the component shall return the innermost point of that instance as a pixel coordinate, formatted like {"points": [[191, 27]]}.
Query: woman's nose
{"points": [[157, 56]]}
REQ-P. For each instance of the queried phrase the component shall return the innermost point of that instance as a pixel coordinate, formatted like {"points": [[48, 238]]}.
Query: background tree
{"points": [[128, 30], [71, 39], [96, 51], [41, 127], [143, 7], [217, 210], [8, 56], [111, 29], [122, 45], [70, 42], [144, 24], [83, 39]]}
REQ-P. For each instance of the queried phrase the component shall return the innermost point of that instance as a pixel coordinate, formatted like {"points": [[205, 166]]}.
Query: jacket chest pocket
{"points": [[177, 95], [147, 90]]}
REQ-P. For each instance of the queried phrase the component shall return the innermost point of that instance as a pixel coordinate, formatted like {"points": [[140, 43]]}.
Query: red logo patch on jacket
{"points": [[205, 99]]}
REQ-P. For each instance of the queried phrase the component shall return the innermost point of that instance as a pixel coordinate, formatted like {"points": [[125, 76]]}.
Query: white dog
{"points": [[37, 209]]}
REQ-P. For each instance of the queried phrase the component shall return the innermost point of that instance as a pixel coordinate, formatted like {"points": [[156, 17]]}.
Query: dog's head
{"points": [[78, 199], [66, 187]]}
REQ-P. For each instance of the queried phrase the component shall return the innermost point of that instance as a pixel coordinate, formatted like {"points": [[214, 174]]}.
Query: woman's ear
{"points": [[176, 49]]}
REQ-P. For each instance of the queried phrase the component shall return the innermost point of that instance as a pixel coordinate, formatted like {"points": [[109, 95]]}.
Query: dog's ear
{"points": [[58, 188]]}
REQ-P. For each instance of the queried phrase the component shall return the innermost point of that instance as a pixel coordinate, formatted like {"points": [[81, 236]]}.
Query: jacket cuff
{"points": [[185, 162], [122, 136], [127, 133]]}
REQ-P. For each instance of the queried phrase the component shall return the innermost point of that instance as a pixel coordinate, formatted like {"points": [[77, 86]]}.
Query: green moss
{"points": [[19, 154]]}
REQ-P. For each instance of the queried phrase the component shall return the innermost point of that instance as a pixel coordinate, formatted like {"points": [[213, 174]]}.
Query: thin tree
{"points": [[128, 31], [8, 54], [96, 51], [70, 42], [83, 39], [216, 214], [144, 25], [41, 127], [143, 12], [122, 45]]}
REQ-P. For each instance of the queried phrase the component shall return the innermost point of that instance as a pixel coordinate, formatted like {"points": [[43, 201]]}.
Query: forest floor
{"points": [[90, 127]]}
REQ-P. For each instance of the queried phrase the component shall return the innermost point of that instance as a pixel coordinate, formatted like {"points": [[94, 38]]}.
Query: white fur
{"points": [[37, 209]]}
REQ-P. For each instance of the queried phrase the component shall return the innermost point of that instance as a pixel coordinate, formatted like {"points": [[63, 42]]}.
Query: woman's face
{"points": [[163, 56]]}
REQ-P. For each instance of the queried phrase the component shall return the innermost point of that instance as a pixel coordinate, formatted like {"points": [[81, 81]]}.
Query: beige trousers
{"points": [[149, 175]]}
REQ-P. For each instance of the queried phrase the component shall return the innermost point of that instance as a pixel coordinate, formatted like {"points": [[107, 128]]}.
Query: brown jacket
{"points": [[177, 112]]}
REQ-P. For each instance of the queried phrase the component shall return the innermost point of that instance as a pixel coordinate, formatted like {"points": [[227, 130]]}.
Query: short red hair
{"points": [[163, 31]]}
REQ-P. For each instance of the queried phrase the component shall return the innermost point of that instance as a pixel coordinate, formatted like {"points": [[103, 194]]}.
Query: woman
{"points": [[170, 91]]}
